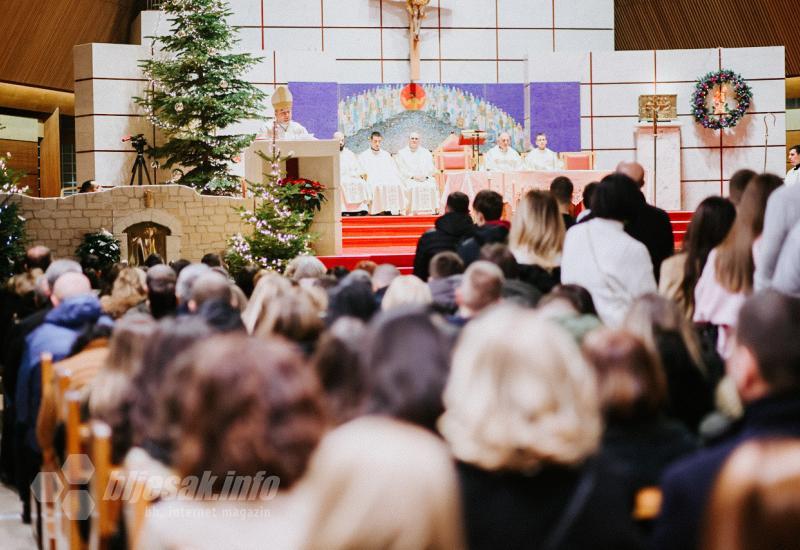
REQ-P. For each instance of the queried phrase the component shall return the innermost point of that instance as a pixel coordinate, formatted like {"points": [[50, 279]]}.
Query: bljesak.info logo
{"points": [[71, 487]]}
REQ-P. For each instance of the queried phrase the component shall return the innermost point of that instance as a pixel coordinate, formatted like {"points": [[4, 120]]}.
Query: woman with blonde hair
{"points": [[670, 338], [270, 286], [727, 277], [755, 504], [522, 418], [406, 290], [397, 492], [295, 315], [129, 290], [537, 240]]}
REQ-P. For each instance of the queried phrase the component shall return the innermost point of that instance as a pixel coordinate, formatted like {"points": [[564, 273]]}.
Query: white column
{"points": [[660, 155]]}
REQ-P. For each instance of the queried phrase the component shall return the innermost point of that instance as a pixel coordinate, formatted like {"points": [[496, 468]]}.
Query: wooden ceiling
{"points": [[684, 24], [38, 35]]}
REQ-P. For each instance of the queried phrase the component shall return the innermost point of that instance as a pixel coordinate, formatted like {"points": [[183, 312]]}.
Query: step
{"points": [[379, 242], [361, 230], [387, 220]]}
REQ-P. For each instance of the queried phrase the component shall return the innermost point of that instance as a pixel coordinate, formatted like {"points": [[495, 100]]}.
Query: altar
{"points": [[513, 185]]}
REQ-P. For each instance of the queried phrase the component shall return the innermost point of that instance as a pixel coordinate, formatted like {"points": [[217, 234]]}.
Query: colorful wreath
{"points": [[724, 116]]}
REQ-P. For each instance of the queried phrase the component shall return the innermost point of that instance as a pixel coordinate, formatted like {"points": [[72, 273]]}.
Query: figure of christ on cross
{"points": [[416, 13]]}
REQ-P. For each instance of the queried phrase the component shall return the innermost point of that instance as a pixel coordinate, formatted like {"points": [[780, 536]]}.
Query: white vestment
{"points": [[385, 183], [355, 191], [539, 159], [498, 161], [291, 131], [792, 177], [417, 169]]}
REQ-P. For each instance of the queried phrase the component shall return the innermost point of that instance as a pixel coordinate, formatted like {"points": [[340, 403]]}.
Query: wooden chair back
{"points": [[76, 471], [583, 160], [107, 499]]}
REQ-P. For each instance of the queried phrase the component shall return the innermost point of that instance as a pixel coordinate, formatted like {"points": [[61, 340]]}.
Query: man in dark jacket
{"points": [[450, 229], [650, 225], [488, 207], [764, 367], [75, 308]]}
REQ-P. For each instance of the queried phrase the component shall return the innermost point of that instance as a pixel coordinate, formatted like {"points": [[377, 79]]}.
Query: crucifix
{"points": [[416, 13], [416, 10]]}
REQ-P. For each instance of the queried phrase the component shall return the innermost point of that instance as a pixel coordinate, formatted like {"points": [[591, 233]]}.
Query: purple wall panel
{"points": [[509, 97], [316, 107], [556, 111]]}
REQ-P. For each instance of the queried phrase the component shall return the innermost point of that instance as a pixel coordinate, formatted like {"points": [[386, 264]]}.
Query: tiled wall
{"points": [[461, 40], [611, 83]]}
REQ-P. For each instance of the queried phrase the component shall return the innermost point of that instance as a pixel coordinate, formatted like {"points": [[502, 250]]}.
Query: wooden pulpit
{"points": [[316, 160]]}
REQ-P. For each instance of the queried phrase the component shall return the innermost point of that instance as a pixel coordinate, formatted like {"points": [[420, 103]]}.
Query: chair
{"points": [[74, 471], [107, 511], [450, 156], [583, 160], [45, 524]]}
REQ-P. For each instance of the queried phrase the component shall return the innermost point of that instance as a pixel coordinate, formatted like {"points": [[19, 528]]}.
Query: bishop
{"points": [[284, 127]]}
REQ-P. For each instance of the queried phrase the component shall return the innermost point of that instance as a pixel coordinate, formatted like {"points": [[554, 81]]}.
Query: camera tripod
{"points": [[139, 165]]}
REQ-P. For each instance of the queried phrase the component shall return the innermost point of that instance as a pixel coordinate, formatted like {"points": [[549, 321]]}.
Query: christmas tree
{"points": [[195, 89], [12, 225], [281, 221]]}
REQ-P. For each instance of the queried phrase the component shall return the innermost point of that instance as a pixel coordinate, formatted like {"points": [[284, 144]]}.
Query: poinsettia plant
{"points": [[302, 194]]}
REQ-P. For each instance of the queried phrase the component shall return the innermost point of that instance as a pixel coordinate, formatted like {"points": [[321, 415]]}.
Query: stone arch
{"points": [[154, 215]]}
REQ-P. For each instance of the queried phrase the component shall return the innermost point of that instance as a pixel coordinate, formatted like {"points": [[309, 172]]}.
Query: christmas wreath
{"points": [[723, 115]]}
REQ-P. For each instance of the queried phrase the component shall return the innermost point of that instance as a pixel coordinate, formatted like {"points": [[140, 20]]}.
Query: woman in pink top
{"points": [[727, 278]]}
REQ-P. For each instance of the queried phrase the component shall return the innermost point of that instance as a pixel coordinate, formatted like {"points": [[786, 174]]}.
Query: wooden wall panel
{"points": [[50, 164], [38, 36], [679, 24], [24, 157]]}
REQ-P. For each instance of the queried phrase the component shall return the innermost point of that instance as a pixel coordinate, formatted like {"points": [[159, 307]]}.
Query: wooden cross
{"points": [[416, 13]]}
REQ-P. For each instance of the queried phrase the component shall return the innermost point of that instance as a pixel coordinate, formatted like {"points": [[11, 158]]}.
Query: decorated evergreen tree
{"points": [[195, 89], [281, 220], [12, 225]]}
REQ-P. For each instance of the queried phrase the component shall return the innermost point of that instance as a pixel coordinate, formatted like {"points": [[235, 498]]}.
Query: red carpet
{"points": [[393, 239]]}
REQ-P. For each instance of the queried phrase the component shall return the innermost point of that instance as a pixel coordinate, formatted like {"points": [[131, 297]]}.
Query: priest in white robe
{"points": [[542, 158], [793, 175], [283, 126], [502, 157], [416, 167], [385, 183], [356, 194]]}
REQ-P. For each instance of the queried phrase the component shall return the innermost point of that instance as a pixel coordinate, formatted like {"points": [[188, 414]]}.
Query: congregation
{"points": [[538, 382]]}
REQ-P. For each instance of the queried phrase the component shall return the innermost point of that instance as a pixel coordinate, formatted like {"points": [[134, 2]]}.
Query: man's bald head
{"points": [[70, 285], [633, 170]]}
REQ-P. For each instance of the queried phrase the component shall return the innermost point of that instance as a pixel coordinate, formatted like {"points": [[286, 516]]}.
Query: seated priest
{"points": [[502, 157], [416, 167], [542, 158], [355, 190], [283, 125], [385, 183]]}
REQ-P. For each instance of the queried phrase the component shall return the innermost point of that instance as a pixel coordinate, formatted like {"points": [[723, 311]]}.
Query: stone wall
{"points": [[198, 224]]}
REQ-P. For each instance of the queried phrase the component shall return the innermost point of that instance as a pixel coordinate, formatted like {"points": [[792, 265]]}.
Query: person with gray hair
{"points": [[481, 287], [381, 279], [305, 267], [186, 279]]}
